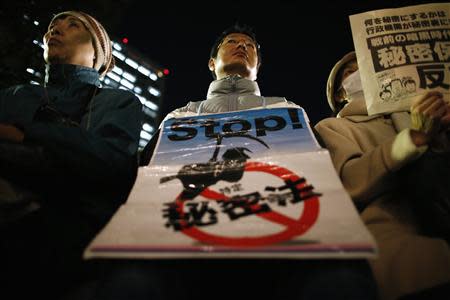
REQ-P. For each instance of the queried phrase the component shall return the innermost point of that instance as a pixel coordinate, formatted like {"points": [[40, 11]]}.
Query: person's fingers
{"points": [[445, 120], [424, 102], [435, 108], [425, 99]]}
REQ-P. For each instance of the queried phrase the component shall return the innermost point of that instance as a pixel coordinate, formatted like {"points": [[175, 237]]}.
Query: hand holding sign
{"points": [[428, 114]]}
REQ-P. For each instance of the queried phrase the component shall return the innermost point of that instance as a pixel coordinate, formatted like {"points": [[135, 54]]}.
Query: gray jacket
{"points": [[231, 93]]}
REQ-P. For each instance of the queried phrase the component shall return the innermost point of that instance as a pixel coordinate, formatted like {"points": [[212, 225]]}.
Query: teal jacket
{"points": [[84, 141]]}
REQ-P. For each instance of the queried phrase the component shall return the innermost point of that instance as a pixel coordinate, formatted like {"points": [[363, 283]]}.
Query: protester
{"points": [[68, 157], [234, 62], [372, 156]]}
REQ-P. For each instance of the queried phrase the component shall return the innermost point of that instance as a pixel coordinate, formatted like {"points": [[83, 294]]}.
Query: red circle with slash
{"points": [[294, 227]]}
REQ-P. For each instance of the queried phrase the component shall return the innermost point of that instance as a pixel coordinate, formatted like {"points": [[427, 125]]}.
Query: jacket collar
{"points": [[356, 111], [233, 84], [64, 73]]}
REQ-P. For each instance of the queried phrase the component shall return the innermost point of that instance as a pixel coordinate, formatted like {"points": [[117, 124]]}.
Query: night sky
{"points": [[299, 44]]}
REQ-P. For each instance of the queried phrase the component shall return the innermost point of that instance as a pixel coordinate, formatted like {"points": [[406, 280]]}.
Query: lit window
{"points": [[145, 135], [137, 90], [38, 43], [154, 91], [118, 55], [127, 84], [147, 127], [151, 105], [153, 77], [129, 76], [144, 71], [141, 98], [131, 63], [143, 143], [117, 70], [117, 47], [113, 76]]}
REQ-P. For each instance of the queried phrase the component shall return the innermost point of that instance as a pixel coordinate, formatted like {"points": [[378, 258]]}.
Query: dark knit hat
{"points": [[104, 60]]}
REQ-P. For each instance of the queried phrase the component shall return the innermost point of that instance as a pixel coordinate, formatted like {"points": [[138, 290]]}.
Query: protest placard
{"points": [[252, 184]]}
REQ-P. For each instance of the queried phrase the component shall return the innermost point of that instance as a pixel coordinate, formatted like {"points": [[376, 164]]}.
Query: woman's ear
{"points": [[212, 64]]}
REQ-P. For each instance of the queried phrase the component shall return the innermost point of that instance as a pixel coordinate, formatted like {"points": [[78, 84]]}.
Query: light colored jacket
{"points": [[231, 93], [367, 151]]}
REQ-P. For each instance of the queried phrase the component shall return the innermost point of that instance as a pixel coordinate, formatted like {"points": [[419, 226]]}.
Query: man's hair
{"points": [[236, 28]]}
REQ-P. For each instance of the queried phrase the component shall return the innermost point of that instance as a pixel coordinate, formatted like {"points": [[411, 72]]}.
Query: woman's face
{"points": [[348, 69]]}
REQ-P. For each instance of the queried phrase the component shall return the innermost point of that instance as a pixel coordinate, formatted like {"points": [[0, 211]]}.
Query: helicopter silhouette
{"points": [[197, 177]]}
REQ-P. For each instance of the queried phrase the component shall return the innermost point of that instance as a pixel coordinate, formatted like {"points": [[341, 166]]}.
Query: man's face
{"points": [[237, 55], [68, 42]]}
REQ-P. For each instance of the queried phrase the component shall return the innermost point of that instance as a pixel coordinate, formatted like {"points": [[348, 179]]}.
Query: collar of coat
{"points": [[64, 73], [356, 111], [233, 84]]}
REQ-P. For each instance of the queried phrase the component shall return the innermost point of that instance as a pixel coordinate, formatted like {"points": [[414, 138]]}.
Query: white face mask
{"points": [[352, 86]]}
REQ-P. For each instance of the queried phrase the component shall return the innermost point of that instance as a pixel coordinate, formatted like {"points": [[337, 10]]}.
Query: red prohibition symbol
{"points": [[292, 226]]}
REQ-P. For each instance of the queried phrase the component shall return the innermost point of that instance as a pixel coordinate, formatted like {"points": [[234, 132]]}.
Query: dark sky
{"points": [[299, 44]]}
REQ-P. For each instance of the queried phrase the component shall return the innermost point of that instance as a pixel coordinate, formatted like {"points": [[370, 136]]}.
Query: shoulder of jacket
{"points": [[21, 87], [328, 122], [188, 110]]}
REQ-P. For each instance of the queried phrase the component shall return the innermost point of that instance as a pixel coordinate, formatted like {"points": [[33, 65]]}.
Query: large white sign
{"points": [[402, 54], [242, 184]]}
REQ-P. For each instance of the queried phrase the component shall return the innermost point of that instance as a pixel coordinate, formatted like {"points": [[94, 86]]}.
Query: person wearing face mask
{"points": [[371, 154]]}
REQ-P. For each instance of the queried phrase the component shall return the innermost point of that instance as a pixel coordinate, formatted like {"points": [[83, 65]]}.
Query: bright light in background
{"points": [[125, 40], [126, 83], [145, 135], [117, 70], [36, 23], [129, 76], [118, 55], [153, 77], [113, 76], [143, 142], [137, 90], [117, 46], [144, 70], [148, 127], [131, 63], [154, 91], [38, 43], [166, 72]]}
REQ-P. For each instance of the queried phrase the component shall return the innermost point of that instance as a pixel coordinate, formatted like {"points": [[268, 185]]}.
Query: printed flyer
{"points": [[402, 54]]}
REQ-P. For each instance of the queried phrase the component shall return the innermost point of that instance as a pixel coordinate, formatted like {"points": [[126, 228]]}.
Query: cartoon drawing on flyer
{"points": [[397, 88]]}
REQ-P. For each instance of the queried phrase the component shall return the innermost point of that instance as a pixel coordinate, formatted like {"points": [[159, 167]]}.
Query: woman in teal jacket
{"points": [[68, 157]]}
